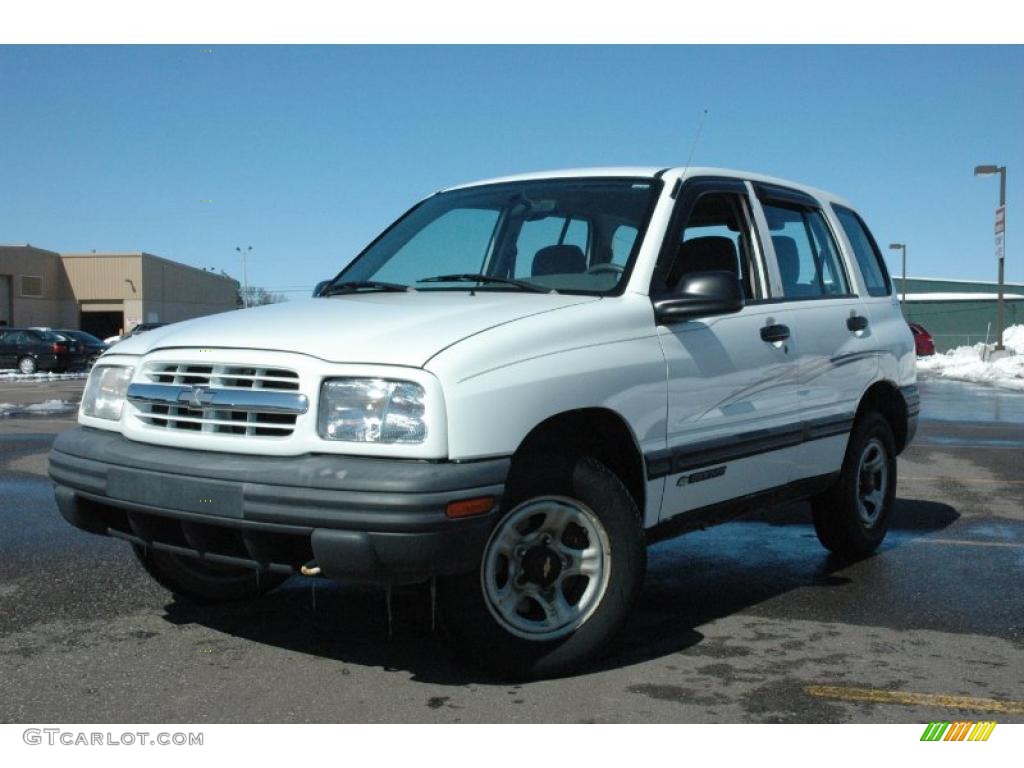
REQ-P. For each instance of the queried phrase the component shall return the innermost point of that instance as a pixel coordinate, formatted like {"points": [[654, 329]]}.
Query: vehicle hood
{"points": [[378, 328]]}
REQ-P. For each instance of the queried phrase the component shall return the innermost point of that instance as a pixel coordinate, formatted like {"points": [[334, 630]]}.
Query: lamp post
{"points": [[902, 247], [245, 276], [988, 170]]}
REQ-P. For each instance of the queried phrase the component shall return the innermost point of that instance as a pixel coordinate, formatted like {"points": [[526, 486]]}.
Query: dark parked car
{"points": [[89, 347], [30, 350], [924, 344]]}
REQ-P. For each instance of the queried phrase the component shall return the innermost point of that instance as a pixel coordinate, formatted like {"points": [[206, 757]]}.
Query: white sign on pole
{"points": [[1000, 229]]}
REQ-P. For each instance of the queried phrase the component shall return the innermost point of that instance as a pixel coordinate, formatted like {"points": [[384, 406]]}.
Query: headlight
{"points": [[372, 411], [105, 391]]}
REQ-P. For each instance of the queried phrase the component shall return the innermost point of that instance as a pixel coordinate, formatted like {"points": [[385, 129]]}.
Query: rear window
{"points": [[865, 250], [82, 336], [622, 243]]}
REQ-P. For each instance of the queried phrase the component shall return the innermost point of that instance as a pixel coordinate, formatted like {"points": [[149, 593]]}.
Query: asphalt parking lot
{"points": [[748, 622]]}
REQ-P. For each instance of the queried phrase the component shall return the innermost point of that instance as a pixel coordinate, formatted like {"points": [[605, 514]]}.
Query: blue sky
{"points": [[307, 152]]}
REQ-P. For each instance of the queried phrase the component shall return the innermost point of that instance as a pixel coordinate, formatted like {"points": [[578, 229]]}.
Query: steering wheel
{"points": [[607, 266]]}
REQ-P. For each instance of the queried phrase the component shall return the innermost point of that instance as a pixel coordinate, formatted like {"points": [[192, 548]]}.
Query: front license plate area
{"points": [[175, 492]]}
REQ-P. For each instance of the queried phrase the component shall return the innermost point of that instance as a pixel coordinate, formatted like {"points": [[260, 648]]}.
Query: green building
{"points": [[959, 312]]}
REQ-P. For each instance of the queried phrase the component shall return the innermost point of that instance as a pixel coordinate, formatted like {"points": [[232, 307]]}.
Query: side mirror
{"points": [[701, 294], [320, 287]]}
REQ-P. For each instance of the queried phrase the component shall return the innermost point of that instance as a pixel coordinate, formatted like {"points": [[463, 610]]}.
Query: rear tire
{"points": [[852, 517], [559, 575], [28, 365], [204, 582]]}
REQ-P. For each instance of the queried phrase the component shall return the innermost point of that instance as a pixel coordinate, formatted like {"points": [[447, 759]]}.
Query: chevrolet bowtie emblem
{"points": [[196, 397]]}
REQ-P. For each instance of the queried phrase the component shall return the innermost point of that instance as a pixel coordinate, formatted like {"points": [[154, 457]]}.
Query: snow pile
{"points": [[970, 363], [51, 406], [47, 407], [1013, 338], [16, 375]]}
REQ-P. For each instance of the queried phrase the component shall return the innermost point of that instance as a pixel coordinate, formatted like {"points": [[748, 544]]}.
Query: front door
{"points": [[733, 412]]}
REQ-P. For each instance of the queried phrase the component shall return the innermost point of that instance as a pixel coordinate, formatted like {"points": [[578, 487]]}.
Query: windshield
{"points": [[567, 235]]}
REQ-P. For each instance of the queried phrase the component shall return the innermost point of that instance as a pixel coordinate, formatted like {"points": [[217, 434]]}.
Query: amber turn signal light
{"points": [[469, 507]]}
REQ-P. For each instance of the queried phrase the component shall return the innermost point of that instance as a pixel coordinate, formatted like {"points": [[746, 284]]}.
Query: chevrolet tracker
{"points": [[509, 394]]}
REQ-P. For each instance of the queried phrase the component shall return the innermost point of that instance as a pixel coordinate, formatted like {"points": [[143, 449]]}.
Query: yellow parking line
{"points": [[971, 543], [876, 696]]}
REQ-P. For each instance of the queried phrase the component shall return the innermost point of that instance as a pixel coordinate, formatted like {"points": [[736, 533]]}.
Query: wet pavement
{"points": [[945, 400], [747, 622], [26, 392]]}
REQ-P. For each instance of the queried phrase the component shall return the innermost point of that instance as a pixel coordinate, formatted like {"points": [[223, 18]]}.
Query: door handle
{"points": [[773, 333], [856, 323]]}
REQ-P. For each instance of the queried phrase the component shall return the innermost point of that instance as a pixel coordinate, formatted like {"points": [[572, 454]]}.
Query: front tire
{"points": [[852, 517], [204, 582], [559, 575]]}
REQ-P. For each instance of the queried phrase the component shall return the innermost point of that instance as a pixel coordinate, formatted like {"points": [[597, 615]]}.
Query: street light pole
{"points": [[245, 276], [988, 170], [902, 247]]}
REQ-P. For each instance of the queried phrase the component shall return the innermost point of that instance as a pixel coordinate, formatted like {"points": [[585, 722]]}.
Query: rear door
{"points": [[837, 355], [733, 424]]}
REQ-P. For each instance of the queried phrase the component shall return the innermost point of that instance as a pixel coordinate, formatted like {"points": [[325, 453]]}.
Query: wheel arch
{"points": [[885, 397], [599, 433]]}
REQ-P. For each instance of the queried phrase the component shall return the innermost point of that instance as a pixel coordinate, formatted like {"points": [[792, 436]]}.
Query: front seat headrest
{"points": [[559, 260]]}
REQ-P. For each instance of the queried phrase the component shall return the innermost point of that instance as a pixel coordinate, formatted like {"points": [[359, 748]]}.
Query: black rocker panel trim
{"points": [[720, 450]]}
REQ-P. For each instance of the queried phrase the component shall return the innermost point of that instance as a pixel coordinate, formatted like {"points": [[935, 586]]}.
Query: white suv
{"points": [[511, 392]]}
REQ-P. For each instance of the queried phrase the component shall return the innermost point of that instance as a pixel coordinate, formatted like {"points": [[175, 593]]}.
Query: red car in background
{"points": [[924, 344]]}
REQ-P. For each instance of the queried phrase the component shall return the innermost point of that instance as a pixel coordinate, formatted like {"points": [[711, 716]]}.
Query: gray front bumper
{"points": [[379, 520]]}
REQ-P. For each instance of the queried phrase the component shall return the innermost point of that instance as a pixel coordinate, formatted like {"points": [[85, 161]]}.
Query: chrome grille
{"points": [[222, 376], [236, 400]]}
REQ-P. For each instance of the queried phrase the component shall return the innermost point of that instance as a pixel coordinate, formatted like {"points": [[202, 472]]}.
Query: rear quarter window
{"points": [[865, 251]]}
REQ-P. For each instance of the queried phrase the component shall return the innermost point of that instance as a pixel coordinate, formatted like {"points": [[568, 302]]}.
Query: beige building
{"points": [[105, 293]]}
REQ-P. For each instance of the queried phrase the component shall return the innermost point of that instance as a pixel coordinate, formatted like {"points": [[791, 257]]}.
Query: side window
{"points": [[456, 242], [623, 240], [717, 235], [865, 250], [806, 253], [564, 243]]}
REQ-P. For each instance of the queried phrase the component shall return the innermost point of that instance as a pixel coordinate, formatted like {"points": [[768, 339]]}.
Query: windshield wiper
{"points": [[351, 286], [478, 278]]}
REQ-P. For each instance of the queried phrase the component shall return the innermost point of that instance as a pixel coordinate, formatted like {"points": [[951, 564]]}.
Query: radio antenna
{"points": [[696, 138]]}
